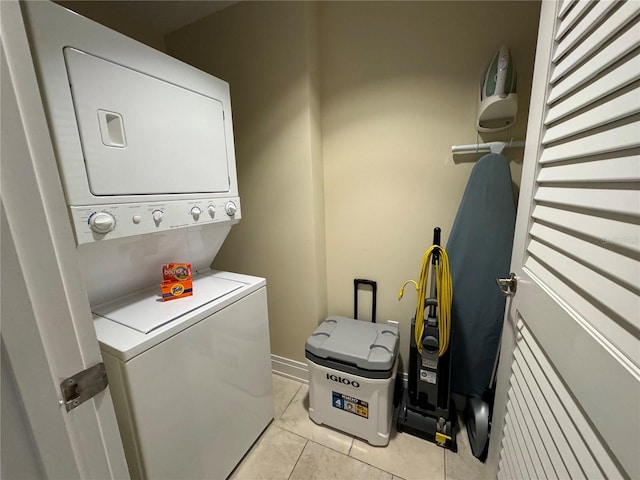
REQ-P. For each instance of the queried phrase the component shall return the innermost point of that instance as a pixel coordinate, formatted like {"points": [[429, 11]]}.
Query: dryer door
{"points": [[141, 135]]}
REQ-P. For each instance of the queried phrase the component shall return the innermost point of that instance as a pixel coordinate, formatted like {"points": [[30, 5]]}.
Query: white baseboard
{"points": [[285, 367]]}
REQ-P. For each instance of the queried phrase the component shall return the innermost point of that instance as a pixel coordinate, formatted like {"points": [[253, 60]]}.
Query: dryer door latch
{"points": [[83, 385]]}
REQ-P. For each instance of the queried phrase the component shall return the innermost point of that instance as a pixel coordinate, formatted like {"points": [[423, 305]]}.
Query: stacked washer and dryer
{"points": [[144, 147]]}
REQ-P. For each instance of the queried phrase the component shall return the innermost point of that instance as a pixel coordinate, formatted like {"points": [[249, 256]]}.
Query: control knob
{"points": [[195, 213], [212, 211], [231, 208], [157, 216], [102, 222]]}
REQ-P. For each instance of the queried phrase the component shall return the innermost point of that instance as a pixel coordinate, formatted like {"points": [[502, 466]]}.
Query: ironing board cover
{"points": [[479, 250]]}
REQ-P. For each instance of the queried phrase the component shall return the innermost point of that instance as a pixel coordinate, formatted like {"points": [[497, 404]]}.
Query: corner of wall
{"points": [[317, 168]]}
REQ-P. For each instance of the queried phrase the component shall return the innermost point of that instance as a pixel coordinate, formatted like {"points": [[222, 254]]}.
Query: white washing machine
{"points": [[190, 378]]}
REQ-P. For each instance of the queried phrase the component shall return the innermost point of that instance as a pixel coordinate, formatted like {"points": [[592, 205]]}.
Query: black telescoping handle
{"points": [[374, 287], [434, 261], [436, 241]]}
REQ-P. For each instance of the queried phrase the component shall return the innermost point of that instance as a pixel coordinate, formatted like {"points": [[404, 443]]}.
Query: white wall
{"points": [[267, 52], [399, 82], [344, 115]]}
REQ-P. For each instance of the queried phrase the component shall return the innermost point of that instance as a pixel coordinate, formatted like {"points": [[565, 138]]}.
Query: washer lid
{"points": [[145, 311]]}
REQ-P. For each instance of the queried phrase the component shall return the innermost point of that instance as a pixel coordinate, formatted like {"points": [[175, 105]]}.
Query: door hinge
{"points": [[83, 385]]}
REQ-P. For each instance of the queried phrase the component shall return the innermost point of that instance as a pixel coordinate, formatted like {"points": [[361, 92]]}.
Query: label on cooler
{"points": [[350, 404]]}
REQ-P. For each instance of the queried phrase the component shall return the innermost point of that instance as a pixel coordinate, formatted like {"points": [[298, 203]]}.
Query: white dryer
{"points": [[190, 378]]}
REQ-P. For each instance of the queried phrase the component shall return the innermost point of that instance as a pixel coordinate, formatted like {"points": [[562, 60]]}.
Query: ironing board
{"points": [[479, 250]]}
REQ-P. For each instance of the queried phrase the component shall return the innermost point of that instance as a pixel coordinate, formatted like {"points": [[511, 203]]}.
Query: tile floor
{"points": [[295, 448]]}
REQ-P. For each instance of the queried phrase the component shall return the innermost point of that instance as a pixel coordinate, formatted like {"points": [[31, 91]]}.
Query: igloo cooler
{"points": [[352, 372]]}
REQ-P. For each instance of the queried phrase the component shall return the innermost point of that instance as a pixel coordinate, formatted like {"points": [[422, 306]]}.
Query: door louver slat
{"points": [[609, 112], [565, 7], [591, 44], [555, 420], [608, 170], [624, 74], [609, 55], [590, 256], [597, 13], [600, 199], [611, 140], [537, 453], [614, 233], [568, 444], [548, 430], [572, 18], [591, 283]]}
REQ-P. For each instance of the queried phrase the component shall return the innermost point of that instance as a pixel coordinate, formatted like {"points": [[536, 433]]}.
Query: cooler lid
{"points": [[145, 311], [370, 346]]}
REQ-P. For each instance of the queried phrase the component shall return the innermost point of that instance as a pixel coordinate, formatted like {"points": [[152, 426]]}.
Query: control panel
{"points": [[103, 222]]}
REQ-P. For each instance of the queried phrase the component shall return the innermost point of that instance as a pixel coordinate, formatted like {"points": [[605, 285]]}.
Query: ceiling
{"points": [[166, 16]]}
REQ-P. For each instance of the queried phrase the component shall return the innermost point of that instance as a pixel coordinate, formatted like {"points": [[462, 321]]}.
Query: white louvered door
{"points": [[568, 398]]}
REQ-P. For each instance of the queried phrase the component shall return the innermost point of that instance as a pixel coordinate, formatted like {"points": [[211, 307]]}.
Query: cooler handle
{"points": [[374, 287]]}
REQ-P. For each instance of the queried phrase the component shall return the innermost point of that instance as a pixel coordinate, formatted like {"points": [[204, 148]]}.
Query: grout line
{"points": [[290, 400], [371, 465], [294, 395], [297, 435], [288, 404], [282, 427], [298, 459], [444, 463]]}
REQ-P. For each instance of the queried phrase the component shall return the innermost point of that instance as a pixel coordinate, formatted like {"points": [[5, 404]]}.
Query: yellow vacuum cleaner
{"points": [[426, 409]]}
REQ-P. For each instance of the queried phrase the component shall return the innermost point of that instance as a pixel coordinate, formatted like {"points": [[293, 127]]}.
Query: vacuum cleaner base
{"points": [[431, 427]]}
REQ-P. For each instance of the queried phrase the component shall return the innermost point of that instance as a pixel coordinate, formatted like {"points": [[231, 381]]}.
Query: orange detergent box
{"points": [[176, 281]]}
